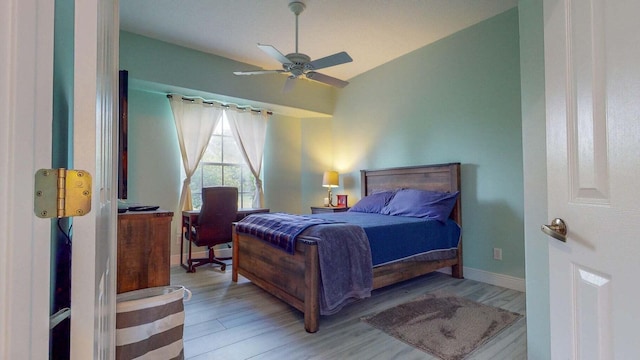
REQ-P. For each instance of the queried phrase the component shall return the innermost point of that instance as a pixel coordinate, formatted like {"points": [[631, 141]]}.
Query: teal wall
{"points": [[154, 155], [316, 158], [457, 100], [63, 85], [535, 177], [282, 166]]}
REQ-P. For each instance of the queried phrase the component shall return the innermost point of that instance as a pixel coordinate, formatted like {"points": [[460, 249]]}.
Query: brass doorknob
{"points": [[557, 229]]}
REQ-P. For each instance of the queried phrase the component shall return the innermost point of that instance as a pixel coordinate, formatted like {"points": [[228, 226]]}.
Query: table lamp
{"points": [[330, 180]]}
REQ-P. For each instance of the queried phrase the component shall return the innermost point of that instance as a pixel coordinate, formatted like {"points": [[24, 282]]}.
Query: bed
{"points": [[294, 278]]}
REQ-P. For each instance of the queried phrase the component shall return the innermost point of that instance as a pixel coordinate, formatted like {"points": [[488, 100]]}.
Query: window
{"points": [[223, 165]]}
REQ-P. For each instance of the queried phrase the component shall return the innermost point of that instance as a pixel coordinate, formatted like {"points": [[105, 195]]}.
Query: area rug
{"points": [[444, 325]]}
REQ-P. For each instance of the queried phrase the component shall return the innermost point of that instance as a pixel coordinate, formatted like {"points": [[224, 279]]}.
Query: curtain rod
{"points": [[269, 112]]}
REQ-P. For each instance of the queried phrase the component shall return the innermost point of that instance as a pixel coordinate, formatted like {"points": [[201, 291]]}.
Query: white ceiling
{"points": [[373, 32]]}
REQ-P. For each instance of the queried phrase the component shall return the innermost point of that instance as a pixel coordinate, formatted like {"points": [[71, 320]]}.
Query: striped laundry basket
{"points": [[150, 323]]}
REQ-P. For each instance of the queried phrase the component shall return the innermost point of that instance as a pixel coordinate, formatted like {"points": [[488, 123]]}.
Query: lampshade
{"points": [[330, 179]]}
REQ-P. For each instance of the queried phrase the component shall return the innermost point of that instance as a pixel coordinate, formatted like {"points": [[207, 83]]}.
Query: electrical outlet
{"points": [[497, 253]]}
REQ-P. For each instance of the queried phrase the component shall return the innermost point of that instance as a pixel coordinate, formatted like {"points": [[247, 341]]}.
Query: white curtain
{"points": [[249, 129], [195, 121]]}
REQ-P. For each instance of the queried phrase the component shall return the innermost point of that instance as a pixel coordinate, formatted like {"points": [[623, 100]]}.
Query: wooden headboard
{"points": [[440, 177]]}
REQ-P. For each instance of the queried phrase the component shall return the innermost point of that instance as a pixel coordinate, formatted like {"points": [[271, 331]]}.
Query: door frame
{"points": [[531, 24], [26, 67]]}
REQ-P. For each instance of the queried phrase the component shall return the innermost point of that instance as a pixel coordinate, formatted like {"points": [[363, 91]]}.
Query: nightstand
{"points": [[328, 209]]}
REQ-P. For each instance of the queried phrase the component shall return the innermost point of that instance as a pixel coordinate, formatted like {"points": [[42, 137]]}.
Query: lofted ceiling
{"points": [[373, 32]]}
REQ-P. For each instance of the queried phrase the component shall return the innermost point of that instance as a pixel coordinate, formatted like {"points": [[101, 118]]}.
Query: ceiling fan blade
{"points": [[288, 84], [274, 53], [326, 79], [331, 60], [257, 72]]}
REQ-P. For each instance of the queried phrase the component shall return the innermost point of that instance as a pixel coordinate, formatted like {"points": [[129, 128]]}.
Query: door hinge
{"points": [[62, 193]]}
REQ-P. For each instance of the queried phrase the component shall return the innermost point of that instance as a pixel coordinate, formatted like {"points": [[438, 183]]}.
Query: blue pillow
{"points": [[421, 203], [373, 203]]}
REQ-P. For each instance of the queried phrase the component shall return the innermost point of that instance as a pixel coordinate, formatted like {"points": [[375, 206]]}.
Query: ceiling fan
{"points": [[298, 64]]}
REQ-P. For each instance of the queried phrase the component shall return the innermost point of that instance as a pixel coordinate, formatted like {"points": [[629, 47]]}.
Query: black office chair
{"points": [[214, 225]]}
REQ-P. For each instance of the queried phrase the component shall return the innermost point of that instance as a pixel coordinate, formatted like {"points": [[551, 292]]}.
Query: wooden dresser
{"points": [[144, 248]]}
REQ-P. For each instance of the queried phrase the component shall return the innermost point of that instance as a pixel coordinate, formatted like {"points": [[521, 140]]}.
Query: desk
{"points": [[190, 217]]}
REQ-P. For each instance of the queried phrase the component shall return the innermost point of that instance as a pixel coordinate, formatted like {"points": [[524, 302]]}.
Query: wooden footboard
{"points": [[294, 279]]}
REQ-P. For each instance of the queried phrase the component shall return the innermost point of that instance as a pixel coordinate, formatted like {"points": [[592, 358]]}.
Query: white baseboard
{"points": [[506, 281]]}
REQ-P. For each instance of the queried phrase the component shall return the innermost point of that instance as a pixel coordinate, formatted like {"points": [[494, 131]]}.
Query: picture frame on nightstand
{"points": [[342, 200]]}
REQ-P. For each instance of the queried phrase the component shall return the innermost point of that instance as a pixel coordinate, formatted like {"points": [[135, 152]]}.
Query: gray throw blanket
{"points": [[346, 271]]}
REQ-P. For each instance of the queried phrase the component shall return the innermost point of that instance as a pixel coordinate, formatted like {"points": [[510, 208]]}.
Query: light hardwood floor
{"points": [[226, 320]]}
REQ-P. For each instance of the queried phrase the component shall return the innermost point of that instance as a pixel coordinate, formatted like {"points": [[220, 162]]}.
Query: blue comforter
{"points": [[393, 238]]}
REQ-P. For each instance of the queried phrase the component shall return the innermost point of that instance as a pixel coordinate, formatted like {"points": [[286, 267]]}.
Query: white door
{"points": [[95, 125], [592, 76]]}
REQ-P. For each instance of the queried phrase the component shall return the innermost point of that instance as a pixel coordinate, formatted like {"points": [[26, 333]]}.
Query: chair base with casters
{"points": [[192, 263]]}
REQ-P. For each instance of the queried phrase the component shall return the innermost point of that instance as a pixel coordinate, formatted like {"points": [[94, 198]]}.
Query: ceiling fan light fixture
{"points": [[297, 7], [298, 64]]}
